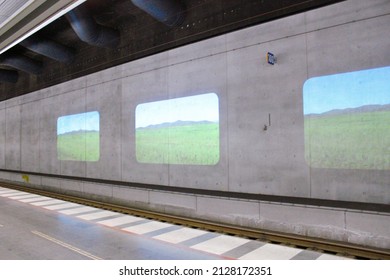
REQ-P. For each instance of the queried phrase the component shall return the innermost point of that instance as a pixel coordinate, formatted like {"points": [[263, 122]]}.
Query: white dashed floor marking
{"points": [[39, 198], [61, 206], [220, 244], [99, 215], [148, 227], [331, 257], [8, 191], [180, 235], [8, 194], [23, 196], [82, 209], [272, 252], [47, 202], [120, 221]]}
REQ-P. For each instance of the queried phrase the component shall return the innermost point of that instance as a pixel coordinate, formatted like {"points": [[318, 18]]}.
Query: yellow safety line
{"points": [[66, 245]]}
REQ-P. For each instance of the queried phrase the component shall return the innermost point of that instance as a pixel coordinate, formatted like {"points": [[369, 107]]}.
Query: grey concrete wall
{"points": [[348, 36], [12, 137], [30, 130], [2, 135]]}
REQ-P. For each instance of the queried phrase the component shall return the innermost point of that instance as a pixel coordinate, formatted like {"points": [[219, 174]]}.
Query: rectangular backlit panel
{"points": [[179, 131], [347, 120], [78, 137]]}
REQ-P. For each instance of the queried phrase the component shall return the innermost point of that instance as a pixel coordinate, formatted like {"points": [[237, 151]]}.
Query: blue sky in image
{"points": [[83, 121], [347, 90], [204, 107]]}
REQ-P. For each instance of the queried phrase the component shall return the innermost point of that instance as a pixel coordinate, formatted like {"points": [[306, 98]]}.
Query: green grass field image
{"points": [[196, 144], [179, 131], [349, 141], [347, 120], [78, 137]]}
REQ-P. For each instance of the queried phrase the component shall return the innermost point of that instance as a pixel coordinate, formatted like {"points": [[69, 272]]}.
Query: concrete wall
{"points": [[349, 36]]}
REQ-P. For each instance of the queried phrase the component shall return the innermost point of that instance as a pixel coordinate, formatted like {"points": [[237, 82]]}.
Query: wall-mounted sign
{"points": [[271, 58]]}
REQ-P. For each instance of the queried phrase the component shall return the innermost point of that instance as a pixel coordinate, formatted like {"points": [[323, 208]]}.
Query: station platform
{"points": [[34, 227]]}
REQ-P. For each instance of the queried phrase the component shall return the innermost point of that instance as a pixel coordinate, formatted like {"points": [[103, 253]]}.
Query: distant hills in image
{"points": [[351, 138], [75, 132], [176, 123], [362, 109]]}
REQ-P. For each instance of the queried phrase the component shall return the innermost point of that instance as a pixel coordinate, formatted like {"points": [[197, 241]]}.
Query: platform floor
{"points": [[43, 228]]}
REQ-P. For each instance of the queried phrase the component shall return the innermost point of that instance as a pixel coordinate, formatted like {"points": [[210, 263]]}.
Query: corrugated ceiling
{"points": [[140, 34], [9, 7]]}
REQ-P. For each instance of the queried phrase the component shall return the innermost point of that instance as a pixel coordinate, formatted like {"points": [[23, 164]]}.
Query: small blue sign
{"points": [[271, 58]]}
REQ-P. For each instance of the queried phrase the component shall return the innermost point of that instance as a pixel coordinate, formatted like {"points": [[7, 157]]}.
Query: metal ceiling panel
{"points": [[8, 8], [29, 18]]}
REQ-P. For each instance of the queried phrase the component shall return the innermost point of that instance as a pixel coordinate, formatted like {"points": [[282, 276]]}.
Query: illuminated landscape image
{"points": [[78, 137], [179, 131], [347, 120]]}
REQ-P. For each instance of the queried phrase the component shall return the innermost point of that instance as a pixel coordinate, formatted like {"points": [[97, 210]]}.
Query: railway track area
{"points": [[318, 245]]}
